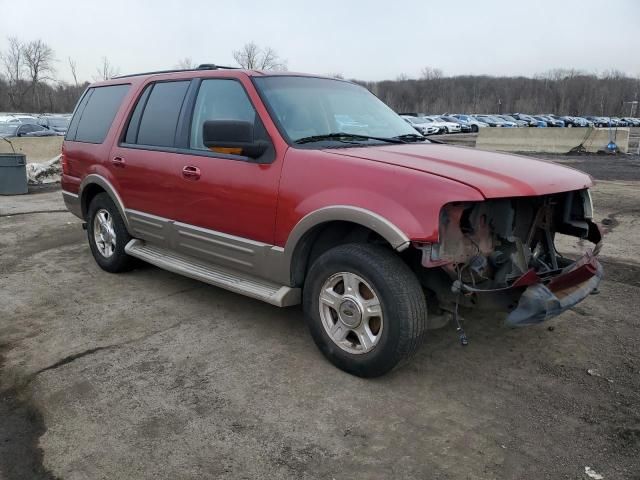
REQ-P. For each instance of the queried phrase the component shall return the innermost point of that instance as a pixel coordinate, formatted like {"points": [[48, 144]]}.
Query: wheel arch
{"points": [[94, 184], [348, 223]]}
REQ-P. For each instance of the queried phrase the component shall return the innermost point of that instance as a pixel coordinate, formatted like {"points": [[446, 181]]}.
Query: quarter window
{"points": [[96, 113]]}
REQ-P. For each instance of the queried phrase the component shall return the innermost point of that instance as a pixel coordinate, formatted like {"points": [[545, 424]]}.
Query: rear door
{"points": [[144, 160]]}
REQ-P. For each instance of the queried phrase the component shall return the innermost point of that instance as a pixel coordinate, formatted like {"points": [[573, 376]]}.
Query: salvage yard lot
{"points": [[153, 375]]}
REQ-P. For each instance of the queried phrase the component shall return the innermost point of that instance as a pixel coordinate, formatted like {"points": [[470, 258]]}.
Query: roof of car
{"points": [[205, 71]]}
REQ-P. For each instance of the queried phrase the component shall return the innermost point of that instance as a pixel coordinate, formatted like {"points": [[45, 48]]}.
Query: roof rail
{"points": [[203, 66], [212, 66]]}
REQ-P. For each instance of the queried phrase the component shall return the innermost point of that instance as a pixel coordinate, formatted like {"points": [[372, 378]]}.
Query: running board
{"points": [[242, 283]]}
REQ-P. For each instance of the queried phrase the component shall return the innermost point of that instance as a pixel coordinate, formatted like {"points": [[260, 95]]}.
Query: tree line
{"points": [[28, 83], [564, 92]]}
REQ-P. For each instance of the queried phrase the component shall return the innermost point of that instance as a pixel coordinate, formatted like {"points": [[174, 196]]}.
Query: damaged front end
{"points": [[500, 255]]}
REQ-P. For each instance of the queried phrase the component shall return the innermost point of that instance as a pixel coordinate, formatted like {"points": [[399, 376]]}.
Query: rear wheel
{"points": [[365, 308], [108, 235]]}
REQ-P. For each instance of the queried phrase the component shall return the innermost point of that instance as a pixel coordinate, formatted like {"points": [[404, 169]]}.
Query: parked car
{"points": [[533, 122], [633, 122], [20, 118], [444, 126], [551, 122], [475, 124], [421, 125], [509, 118], [570, 121], [241, 179], [598, 121], [619, 122], [58, 124], [15, 129], [464, 126], [495, 121]]}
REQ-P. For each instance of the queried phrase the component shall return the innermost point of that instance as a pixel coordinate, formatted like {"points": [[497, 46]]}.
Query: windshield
{"points": [[7, 129], [306, 106]]}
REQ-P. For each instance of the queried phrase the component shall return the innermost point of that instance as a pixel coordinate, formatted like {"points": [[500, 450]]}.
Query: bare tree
{"points": [[38, 58], [73, 68], [430, 73], [186, 64], [252, 57], [106, 70], [14, 68]]}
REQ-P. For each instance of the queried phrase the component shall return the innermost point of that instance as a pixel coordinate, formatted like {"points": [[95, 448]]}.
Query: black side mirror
{"points": [[232, 135]]}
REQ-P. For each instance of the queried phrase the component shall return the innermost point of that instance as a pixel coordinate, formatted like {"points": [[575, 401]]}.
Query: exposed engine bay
{"points": [[500, 255]]}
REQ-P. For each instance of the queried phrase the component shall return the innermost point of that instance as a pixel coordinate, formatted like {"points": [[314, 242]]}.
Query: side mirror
{"points": [[232, 136]]}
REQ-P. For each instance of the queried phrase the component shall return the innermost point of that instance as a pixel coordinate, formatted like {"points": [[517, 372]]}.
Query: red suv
{"points": [[294, 189]]}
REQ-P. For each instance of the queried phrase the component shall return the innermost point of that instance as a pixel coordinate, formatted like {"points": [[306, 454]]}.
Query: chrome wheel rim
{"points": [[351, 313], [104, 233]]}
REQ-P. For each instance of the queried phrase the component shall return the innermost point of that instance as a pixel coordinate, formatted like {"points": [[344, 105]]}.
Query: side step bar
{"points": [[243, 283]]}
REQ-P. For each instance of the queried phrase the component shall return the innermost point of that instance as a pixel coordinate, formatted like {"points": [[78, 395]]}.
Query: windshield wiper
{"points": [[341, 136], [411, 137]]}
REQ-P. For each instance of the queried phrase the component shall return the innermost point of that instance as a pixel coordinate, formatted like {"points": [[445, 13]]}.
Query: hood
{"points": [[494, 175]]}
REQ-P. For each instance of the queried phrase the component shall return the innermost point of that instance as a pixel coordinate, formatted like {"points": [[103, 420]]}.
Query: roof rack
{"points": [[203, 66]]}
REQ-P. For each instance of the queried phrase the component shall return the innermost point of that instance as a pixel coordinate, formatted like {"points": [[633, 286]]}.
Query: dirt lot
{"points": [[152, 375]]}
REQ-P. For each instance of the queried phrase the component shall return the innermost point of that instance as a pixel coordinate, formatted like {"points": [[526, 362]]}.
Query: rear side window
{"points": [[95, 113], [157, 126]]}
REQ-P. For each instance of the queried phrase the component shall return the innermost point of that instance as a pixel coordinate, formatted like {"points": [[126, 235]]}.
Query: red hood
{"points": [[494, 175]]}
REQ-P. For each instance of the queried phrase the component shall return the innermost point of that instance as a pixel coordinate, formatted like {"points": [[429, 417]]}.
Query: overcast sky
{"points": [[368, 40]]}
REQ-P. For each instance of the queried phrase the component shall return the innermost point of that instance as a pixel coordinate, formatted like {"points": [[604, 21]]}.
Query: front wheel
{"points": [[474, 128], [365, 308]]}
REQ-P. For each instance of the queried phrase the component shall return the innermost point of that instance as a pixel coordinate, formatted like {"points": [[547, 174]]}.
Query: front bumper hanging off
{"points": [[539, 302]]}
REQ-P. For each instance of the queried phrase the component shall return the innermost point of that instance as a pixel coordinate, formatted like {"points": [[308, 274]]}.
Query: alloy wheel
{"points": [[104, 233], [351, 313]]}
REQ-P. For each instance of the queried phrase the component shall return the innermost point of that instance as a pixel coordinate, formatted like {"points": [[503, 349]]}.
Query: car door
{"points": [[144, 164], [225, 203]]}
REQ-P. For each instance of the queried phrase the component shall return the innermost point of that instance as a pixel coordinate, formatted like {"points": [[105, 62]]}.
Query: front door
{"points": [[230, 194]]}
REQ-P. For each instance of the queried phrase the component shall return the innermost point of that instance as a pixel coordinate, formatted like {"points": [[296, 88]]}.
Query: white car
{"points": [[424, 127], [472, 122], [444, 126], [18, 118]]}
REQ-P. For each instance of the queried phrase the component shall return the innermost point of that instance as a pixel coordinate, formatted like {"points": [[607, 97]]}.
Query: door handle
{"points": [[191, 173], [118, 161]]}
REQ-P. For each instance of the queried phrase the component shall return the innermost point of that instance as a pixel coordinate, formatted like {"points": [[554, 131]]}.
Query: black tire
{"points": [[474, 128], [402, 300], [118, 261], [445, 130]]}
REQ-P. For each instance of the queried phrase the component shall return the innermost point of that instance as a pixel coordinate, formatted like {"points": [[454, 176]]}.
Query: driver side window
{"points": [[219, 99]]}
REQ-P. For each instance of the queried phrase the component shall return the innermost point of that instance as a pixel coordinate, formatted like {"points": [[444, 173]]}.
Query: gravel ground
{"points": [[152, 375]]}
